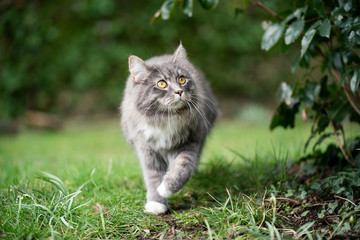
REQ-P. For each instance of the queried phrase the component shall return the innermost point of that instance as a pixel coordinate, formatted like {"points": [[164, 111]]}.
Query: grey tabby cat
{"points": [[167, 111]]}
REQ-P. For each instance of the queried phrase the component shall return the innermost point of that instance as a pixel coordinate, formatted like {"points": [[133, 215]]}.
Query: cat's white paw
{"points": [[155, 208], [163, 191]]}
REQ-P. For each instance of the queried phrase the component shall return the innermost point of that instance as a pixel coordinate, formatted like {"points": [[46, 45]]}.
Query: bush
{"points": [[328, 92]]}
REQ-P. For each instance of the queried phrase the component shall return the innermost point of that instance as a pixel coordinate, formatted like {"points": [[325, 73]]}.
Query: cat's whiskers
{"points": [[191, 113], [202, 114], [204, 99]]}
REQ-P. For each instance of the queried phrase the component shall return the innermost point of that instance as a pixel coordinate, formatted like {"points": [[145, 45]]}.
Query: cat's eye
{"points": [[161, 84], [182, 80]]}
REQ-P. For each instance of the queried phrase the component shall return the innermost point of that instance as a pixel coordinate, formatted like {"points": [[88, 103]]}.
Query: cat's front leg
{"points": [[179, 173], [153, 168]]}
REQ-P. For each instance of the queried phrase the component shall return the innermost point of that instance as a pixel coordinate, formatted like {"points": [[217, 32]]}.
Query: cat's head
{"points": [[163, 84]]}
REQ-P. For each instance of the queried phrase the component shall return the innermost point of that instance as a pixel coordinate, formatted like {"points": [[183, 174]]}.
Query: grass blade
{"points": [[54, 180], [19, 209], [208, 228]]}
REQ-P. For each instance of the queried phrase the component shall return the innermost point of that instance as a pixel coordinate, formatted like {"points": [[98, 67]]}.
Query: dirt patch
{"points": [[177, 230], [325, 216]]}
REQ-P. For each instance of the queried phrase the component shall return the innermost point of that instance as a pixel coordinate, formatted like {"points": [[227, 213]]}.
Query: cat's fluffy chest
{"points": [[165, 133]]}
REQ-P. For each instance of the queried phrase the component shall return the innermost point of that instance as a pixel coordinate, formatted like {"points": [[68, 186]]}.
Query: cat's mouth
{"points": [[178, 103]]}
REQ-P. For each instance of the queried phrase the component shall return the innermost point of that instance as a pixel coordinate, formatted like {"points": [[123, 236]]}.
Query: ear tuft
{"points": [[180, 53], [138, 69]]}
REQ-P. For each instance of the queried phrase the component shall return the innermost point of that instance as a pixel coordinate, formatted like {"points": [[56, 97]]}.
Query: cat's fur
{"points": [[166, 126]]}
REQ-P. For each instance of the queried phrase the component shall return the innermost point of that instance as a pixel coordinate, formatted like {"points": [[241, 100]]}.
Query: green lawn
{"points": [[231, 195]]}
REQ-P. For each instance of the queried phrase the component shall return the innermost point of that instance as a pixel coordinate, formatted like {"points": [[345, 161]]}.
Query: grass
{"points": [[85, 182]]}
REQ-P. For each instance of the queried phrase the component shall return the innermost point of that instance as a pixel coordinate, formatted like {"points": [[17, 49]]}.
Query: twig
{"points": [[341, 147], [351, 102], [312, 19], [320, 52], [315, 205], [288, 200], [338, 78], [269, 11], [345, 144], [345, 199]]}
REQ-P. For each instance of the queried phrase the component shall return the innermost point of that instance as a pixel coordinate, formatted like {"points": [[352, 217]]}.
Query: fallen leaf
{"points": [[2, 235], [100, 207]]}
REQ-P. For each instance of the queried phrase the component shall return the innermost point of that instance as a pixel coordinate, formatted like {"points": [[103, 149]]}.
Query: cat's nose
{"points": [[179, 92]]}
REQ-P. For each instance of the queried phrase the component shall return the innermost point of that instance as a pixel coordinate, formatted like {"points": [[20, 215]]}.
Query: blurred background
{"points": [[64, 59]]}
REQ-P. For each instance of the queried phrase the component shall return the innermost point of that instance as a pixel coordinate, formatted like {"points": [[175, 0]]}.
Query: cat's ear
{"points": [[138, 69], [180, 53]]}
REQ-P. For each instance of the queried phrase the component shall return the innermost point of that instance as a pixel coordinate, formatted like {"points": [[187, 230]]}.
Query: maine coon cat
{"points": [[167, 111]]}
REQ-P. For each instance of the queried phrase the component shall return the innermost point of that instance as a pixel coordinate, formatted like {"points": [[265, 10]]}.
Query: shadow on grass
{"points": [[216, 179]]}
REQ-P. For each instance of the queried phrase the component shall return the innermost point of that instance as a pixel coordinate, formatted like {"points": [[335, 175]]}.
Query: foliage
{"points": [[71, 58], [328, 93]]}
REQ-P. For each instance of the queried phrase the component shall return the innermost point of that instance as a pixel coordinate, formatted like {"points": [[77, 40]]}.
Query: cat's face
{"points": [[163, 87]]}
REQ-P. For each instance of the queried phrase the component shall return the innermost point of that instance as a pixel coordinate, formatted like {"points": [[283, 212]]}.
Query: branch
{"points": [[269, 11], [347, 158], [320, 52], [338, 78], [345, 144], [345, 199]]}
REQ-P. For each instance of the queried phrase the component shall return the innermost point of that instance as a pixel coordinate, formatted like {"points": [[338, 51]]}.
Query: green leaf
{"points": [[344, 77], [286, 110], [309, 35], [165, 11], [322, 123], [354, 81], [284, 116], [350, 40], [294, 31], [310, 92], [188, 7], [209, 4], [338, 111], [286, 93], [271, 36], [295, 64], [347, 5], [167, 8], [296, 14], [304, 213], [346, 23], [316, 24], [321, 139], [306, 40], [324, 29], [338, 63]]}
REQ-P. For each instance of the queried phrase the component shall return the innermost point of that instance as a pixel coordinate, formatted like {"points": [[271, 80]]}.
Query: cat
{"points": [[167, 112]]}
